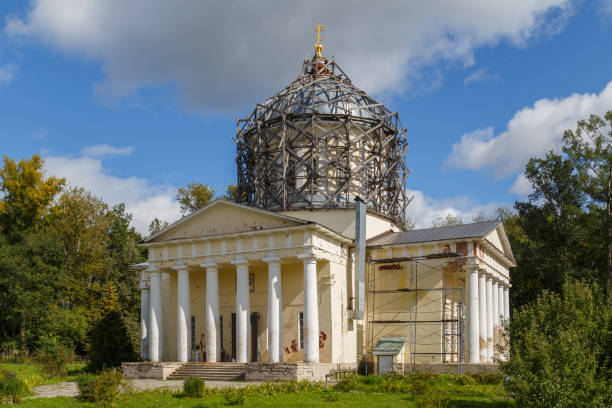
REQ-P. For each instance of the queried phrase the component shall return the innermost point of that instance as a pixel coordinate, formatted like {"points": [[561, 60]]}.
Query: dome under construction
{"points": [[319, 143]]}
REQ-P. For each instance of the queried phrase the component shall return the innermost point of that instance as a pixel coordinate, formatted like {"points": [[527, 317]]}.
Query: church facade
{"points": [[298, 272]]}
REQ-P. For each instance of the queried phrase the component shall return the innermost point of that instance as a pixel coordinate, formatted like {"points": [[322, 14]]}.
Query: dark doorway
{"points": [[234, 336], [254, 319]]}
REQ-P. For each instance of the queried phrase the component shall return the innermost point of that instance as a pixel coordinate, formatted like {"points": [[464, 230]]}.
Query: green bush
{"points": [[194, 387], [110, 342], [234, 399], [560, 350], [54, 359], [12, 389], [103, 388], [488, 379]]}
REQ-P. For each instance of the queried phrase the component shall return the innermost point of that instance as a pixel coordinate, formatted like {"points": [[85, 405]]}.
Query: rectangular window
{"points": [[193, 333], [301, 330], [251, 282]]}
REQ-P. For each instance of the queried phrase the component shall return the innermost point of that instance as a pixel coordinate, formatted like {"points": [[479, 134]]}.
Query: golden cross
{"points": [[318, 46], [318, 30]]}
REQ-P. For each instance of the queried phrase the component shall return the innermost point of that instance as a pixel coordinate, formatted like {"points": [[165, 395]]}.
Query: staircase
{"points": [[211, 371]]}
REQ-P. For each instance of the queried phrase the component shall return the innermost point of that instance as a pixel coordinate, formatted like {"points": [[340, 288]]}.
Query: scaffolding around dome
{"points": [[318, 144]]}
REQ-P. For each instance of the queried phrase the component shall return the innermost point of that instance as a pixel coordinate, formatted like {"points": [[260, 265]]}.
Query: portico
{"points": [[235, 292]]}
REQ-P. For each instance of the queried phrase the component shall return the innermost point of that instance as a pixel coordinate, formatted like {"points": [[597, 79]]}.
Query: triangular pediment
{"points": [[499, 239], [223, 217]]}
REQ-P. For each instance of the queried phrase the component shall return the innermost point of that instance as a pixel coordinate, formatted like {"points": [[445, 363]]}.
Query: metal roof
{"points": [[476, 230], [389, 345]]}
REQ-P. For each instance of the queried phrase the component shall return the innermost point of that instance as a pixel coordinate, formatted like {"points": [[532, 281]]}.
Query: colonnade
{"points": [[151, 311], [487, 304]]}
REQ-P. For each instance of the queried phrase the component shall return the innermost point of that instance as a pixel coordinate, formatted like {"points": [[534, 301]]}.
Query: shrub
{"points": [[234, 399], [488, 379], [463, 379], [12, 389], [110, 342], [194, 387], [347, 384], [560, 352], [103, 388], [54, 359]]}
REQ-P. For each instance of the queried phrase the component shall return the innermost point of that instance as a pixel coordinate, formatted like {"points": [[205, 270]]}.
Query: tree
{"points": [[27, 194], [550, 236], [589, 148], [194, 196], [449, 220], [560, 349], [501, 214], [157, 225]]}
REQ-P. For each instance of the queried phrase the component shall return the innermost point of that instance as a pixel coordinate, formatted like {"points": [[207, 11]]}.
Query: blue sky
{"points": [[132, 101]]}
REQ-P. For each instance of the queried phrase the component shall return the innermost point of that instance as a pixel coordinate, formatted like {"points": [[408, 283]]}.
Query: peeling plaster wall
{"points": [[343, 221]]}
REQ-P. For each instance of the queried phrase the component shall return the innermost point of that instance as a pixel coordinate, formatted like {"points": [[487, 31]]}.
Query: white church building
{"points": [[312, 271]]}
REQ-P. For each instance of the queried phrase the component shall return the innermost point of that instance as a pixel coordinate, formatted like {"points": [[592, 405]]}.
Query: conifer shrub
{"points": [[12, 389], [110, 342], [194, 387], [560, 350], [54, 359]]}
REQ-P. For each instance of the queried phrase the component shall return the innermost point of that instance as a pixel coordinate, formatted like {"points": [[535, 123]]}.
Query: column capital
{"points": [[239, 260], [180, 266], [208, 263], [271, 257], [309, 254], [152, 268]]}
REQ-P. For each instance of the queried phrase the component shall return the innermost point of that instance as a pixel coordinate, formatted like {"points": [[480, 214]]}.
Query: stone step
{"points": [[210, 371]]}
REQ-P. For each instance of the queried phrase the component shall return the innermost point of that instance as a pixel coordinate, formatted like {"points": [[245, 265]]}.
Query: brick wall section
{"points": [[148, 370]]}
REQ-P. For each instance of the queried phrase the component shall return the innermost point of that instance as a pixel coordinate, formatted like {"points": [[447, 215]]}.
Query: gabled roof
{"points": [[464, 231], [389, 345], [231, 204]]}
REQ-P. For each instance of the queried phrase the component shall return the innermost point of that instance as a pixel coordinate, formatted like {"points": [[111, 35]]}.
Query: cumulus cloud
{"points": [[423, 209], [106, 150], [521, 186], [7, 73], [479, 75], [532, 131], [222, 55], [142, 199]]}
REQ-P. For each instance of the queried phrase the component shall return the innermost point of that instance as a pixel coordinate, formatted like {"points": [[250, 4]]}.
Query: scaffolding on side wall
{"points": [[417, 307]]}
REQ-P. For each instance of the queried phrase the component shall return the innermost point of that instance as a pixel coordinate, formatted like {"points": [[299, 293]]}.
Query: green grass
{"points": [[33, 375], [370, 392]]}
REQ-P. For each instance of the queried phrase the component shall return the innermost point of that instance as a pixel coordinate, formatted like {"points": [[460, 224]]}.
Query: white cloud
{"points": [[521, 186], [479, 75], [143, 200], [605, 8], [423, 209], [532, 131], [106, 150], [7, 73], [222, 55], [40, 134]]}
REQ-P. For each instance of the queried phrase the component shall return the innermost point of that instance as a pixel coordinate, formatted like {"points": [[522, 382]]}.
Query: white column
{"points": [[242, 309], [183, 315], [500, 301], [155, 315], [495, 290], [212, 312], [482, 314], [274, 308], [489, 318], [472, 328], [311, 310], [144, 317], [507, 302]]}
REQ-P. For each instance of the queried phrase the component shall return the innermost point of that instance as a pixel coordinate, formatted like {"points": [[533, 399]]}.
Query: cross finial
{"points": [[318, 46]]}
